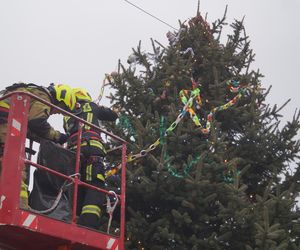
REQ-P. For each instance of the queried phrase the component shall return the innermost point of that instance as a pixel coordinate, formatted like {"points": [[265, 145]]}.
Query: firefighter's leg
{"points": [[24, 191], [93, 200]]}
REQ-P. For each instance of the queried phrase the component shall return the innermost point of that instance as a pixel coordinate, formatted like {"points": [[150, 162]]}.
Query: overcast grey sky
{"points": [[77, 41]]}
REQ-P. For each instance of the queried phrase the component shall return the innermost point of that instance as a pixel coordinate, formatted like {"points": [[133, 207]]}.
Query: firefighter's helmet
{"points": [[63, 93], [82, 95]]}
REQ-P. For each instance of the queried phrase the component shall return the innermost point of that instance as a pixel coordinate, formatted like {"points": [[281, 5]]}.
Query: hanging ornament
{"points": [[174, 38], [233, 85], [154, 57], [132, 59], [150, 91], [188, 50], [167, 84], [113, 75], [163, 96]]}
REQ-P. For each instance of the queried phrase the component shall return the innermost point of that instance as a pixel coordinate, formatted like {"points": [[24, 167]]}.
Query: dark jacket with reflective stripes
{"points": [[91, 113]]}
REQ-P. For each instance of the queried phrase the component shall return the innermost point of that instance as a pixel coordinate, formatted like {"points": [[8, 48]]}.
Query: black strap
{"points": [[16, 85], [28, 85], [86, 136], [30, 151], [1, 148], [94, 159], [22, 85]]}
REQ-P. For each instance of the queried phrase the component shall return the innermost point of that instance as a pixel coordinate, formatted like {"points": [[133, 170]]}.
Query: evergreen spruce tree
{"points": [[201, 174]]}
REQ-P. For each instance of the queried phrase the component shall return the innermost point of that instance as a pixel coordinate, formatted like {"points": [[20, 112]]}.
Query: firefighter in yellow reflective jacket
{"points": [[92, 172], [60, 95]]}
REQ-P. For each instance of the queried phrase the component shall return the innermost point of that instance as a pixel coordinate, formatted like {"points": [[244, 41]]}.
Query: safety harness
{"points": [[111, 208], [89, 138]]}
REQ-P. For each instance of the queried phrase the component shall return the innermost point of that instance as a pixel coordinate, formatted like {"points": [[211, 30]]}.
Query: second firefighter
{"points": [[93, 152]]}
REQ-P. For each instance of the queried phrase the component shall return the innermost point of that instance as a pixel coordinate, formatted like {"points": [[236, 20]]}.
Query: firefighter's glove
{"points": [[62, 138]]}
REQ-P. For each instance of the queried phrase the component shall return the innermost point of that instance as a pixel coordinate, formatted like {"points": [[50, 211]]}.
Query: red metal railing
{"points": [[14, 161]]}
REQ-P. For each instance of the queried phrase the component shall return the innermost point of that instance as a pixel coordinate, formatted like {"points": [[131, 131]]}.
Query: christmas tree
{"points": [[208, 164]]}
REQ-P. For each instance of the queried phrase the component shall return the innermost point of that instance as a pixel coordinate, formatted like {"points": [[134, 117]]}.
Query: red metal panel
{"points": [[123, 191], [79, 136], [24, 230], [59, 230], [13, 156]]}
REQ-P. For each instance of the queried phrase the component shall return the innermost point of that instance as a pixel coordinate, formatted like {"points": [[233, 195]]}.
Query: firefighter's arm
{"points": [[106, 114], [38, 124]]}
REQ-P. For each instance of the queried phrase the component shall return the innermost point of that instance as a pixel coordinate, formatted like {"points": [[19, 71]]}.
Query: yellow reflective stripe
{"points": [[24, 192], [100, 177], [93, 143], [86, 108], [66, 118], [65, 123], [89, 172], [91, 209], [24, 186], [98, 145], [4, 104], [89, 119]]}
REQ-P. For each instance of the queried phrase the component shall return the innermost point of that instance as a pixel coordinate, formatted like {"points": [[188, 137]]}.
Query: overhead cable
{"points": [[150, 14]]}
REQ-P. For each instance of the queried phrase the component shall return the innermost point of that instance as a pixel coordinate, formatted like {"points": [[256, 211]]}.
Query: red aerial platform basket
{"points": [[25, 230]]}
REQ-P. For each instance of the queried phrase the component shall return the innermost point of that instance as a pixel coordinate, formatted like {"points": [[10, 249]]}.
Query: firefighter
{"points": [[93, 151], [60, 95]]}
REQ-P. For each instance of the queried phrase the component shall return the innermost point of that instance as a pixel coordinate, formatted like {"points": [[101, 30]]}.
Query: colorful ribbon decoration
{"points": [[188, 103], [166, 157], [106, 77], [228, 176], [209, 118], [124, 122]]}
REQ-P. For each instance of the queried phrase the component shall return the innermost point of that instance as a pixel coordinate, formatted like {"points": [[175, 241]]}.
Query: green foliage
{"points": [[256, 209]]}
